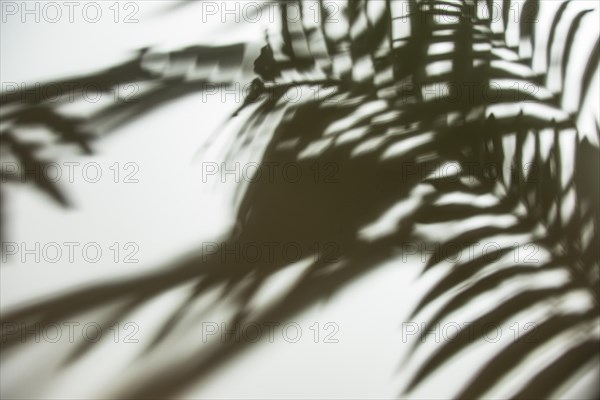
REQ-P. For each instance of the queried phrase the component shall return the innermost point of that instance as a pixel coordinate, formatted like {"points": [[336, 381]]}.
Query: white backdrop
{"points": [[169, 213]]}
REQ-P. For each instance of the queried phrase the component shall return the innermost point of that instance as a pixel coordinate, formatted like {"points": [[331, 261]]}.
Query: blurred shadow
{"points": [[371, 175]]}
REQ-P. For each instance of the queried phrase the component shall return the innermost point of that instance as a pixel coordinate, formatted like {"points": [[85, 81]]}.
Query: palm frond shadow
{"points": [[139, 85], [372, 154], [304, 228]]}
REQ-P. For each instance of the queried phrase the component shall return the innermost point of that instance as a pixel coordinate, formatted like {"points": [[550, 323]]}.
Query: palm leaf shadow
{"points": [[172, 79]]}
